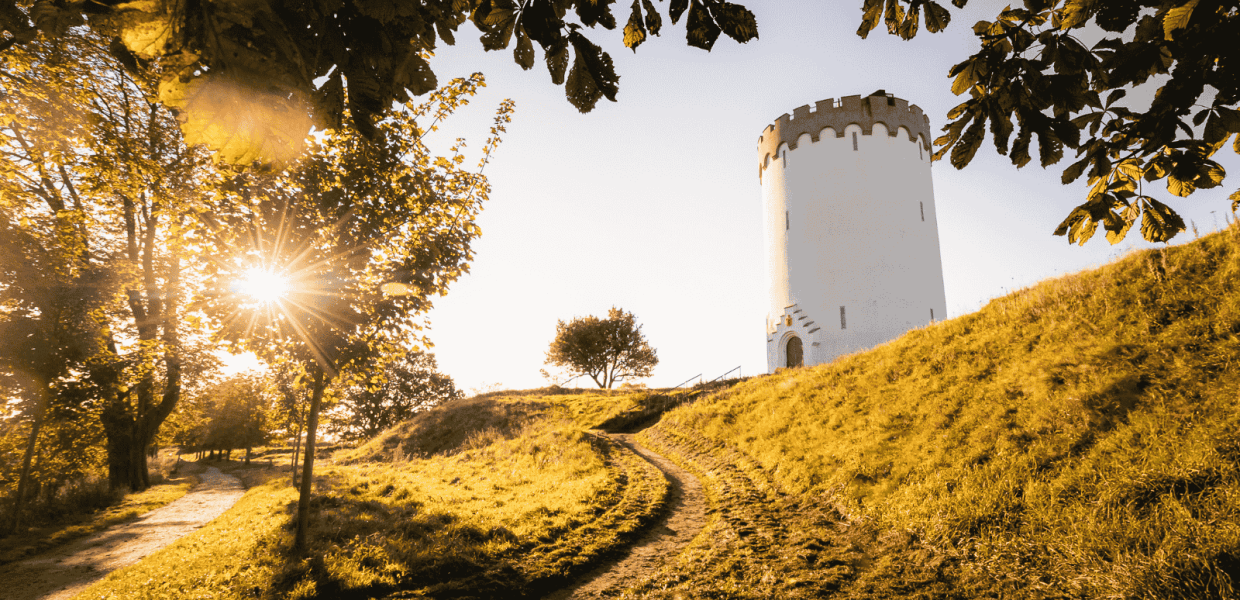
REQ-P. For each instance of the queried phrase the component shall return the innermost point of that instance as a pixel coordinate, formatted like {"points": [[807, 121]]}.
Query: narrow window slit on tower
{"points": [[932, 315], [923, 210], [919, 154], [843, 323], [787, 221], [854, 141]]}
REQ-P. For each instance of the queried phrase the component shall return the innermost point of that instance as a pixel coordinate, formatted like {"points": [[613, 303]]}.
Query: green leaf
{"points": [[1130, 167], [1177, 18], [415, 74], [499, 25], [1050, 150], [330, 107], [1072, 226], [1212, 175], [908, 29], [1073, 172], [1117, 236], [937, 17], [1157, 168], [592, 12], [736, 21], [1075, 13], [1217, 129], [969, 73], [893, 16], [1180, 187], [1020, 148], [654, 21], [873, 13], [1230, 119], [700, 29], [523, 54], [677, 8], [964, 150], [542, 24], [592, 75], [557, 60], [635, 30], [1159, 223]]}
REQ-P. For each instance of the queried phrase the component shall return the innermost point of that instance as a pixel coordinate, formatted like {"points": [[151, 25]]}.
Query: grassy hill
{"points": [[1077, 439], [502, 495]]}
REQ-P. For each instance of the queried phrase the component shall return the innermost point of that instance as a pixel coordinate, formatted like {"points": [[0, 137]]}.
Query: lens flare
{"points": [[264, 286]]}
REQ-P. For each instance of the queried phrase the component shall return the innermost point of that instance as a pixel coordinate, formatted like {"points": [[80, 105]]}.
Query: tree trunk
{"points": [[296, 449], [307, 475], [118, 429], [23, 481]]}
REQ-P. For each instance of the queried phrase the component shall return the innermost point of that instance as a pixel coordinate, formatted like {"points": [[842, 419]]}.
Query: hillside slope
{"points": [[497, 496], [1075, 439]]}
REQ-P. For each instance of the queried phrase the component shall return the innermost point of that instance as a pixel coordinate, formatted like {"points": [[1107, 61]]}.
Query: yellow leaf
{"points": [[1177, 18]]}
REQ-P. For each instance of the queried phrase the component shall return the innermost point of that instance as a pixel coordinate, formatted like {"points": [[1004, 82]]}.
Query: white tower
{"points": [[852, 242]]}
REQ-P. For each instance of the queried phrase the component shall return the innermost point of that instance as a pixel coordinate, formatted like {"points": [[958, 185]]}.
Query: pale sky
{"points": [[652, 203]]}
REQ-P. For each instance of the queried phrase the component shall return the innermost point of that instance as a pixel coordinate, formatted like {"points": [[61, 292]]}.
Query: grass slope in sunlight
{"points": [[1075, 439], [483, 497]]}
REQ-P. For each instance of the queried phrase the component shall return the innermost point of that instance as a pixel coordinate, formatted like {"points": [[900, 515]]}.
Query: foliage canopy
{"points": [[605, 349], [1034, 76], [250, 77], [397, 388]]}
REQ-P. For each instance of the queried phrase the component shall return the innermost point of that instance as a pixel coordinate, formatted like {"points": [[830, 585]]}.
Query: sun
{"points": [[263, 285]]}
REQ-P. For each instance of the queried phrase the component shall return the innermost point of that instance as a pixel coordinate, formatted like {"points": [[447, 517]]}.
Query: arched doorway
{"points": [[794, 352]]}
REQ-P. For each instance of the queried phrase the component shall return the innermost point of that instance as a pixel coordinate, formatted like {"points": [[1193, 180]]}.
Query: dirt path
{"points": [[65, 571], [665, 539]]}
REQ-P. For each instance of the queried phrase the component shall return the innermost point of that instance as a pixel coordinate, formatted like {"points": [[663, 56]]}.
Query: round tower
{"points": [[852, 242]]}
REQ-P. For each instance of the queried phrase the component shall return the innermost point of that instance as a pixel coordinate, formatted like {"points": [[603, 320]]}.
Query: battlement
{"points": [[878, 107]]}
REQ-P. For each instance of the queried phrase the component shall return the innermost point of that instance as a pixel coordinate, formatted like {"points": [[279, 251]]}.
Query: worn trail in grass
{"points": [[664, 539], [65, 571]]}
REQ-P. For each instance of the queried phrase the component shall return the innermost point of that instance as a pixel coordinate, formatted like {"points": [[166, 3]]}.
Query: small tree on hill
{"points": [[400, 387], [605, 349]]}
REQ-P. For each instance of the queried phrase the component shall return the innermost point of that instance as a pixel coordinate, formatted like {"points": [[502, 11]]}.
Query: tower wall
{"points": [[850, 221]]}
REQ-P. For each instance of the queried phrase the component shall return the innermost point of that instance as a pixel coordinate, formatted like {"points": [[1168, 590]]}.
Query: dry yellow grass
{"points": [[1078, 437]]}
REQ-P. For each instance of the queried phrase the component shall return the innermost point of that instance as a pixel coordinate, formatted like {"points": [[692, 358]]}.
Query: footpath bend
{"points": [[666, 538], [62, 572]]}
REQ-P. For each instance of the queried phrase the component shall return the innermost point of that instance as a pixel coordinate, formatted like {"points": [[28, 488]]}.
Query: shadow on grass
{"points": [[361, 548]]}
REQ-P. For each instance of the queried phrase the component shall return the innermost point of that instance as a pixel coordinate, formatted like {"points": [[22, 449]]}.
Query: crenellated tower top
{"points": [[879, 107]]}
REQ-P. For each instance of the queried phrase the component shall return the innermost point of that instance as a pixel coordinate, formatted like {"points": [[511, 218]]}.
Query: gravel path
{"points": [[63, 572], [686, 516]]}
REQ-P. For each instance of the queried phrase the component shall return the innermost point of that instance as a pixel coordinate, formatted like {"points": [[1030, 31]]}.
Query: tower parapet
{"points": [[878, 107]]}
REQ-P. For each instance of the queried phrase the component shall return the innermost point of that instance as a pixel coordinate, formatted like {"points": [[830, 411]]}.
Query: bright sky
{"points": [[652, 203]]}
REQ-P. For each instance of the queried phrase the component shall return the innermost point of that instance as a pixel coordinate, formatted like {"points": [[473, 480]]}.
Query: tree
{"points": [[1033, 76], [99, 172], [250, 78], [605, 349], [238, 415], [363, 233], [290, 412], [402, 385], [50, 300]]}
